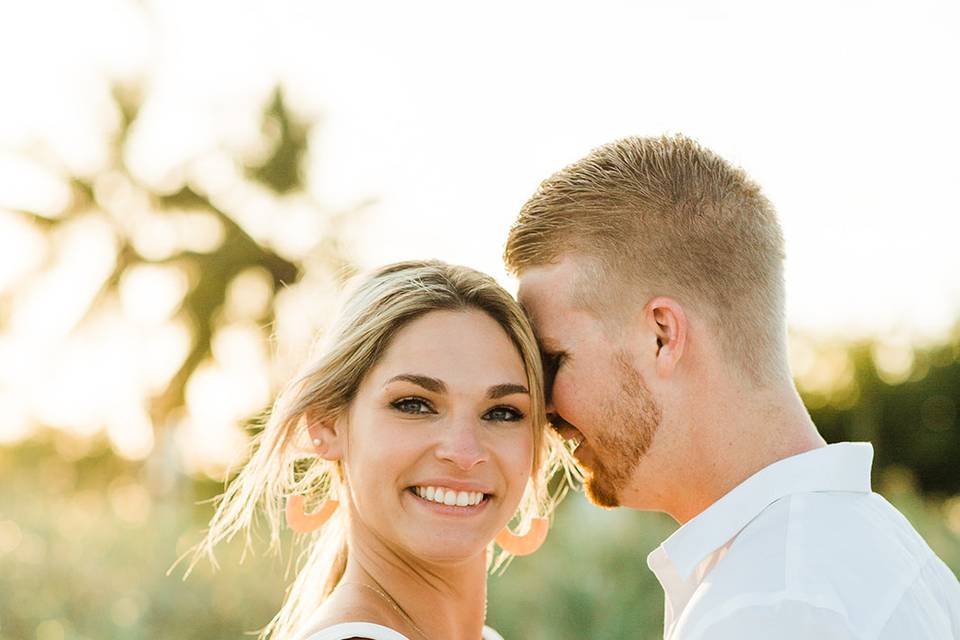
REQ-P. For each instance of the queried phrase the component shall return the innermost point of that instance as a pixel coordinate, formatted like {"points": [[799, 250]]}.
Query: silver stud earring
{"points": [[316, 442]]}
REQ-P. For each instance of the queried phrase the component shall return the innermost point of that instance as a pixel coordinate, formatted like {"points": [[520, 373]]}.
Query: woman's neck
{"points": [[436, 601]]}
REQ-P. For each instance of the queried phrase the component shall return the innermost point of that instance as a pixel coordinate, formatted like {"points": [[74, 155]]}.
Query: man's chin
{"points": [[601, 493]]}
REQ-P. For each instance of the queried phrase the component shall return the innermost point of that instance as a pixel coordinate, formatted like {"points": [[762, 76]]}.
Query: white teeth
{"points": [[450, 497]]}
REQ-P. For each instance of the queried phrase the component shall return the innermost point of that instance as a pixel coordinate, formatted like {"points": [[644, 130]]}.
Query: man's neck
{"points": [[738, 436]]}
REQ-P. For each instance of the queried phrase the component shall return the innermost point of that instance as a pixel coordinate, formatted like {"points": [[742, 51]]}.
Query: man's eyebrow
{"points": [[428, 383], [501, 390]]}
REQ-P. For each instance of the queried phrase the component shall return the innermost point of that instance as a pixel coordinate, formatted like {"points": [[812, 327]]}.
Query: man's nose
{"points": [[555, 419], [462, 445], [553, 415]]}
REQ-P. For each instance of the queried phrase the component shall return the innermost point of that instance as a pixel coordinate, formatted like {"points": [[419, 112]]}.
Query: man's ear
{"points": [[326, 436], [668, 322]]}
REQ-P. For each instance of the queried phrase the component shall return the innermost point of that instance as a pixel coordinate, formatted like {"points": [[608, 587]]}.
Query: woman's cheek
{"points": [[521, 456]]}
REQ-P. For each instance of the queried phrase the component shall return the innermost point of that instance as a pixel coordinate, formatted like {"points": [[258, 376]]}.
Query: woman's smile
{"points": [[446, 501]]}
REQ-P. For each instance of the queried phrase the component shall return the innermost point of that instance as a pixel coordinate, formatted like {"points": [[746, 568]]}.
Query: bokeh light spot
{"points": [[249, 295], [126, 612], [151, 293], [893, 360], [130, 501], [22, 248], [951, 509], [10, 536], [51, 630], [29, 186]]}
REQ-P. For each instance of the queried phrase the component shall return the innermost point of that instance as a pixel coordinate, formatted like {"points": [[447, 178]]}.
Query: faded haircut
{"points": [[665, 216]]}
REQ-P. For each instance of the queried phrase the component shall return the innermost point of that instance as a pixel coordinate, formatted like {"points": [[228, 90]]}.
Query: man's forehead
{"points": [[536, 322], [545, 295], [547, 284], [534, 297]]}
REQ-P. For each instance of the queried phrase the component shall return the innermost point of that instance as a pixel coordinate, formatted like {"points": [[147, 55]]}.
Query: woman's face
{"points": [[438, 446]]}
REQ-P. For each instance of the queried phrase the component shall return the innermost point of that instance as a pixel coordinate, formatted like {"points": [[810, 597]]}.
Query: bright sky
{"points": [[450, 115]]}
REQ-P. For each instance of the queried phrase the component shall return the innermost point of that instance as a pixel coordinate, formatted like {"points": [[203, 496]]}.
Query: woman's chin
{"points": [[448, 545], [452, 548], [440, 533]]}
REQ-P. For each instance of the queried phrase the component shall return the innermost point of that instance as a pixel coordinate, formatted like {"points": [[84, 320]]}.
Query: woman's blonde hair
{"points": [[283, 464]]}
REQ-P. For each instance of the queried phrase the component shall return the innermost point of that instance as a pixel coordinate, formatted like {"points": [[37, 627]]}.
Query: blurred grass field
{"points": [[85, 546]]}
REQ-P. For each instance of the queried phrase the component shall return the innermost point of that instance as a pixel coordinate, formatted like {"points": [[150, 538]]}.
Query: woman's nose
{"points": [[461, 444]]}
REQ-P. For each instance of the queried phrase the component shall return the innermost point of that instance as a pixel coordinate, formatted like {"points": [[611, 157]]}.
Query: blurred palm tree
{"points": [[85, 540], [275, 176]]}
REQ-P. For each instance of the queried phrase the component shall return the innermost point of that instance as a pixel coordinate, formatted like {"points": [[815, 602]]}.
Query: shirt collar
{"points": [[843, 466]]}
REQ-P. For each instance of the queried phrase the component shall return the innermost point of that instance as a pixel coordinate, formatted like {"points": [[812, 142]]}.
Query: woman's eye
{"points": [[412, 405], [503, 414]]}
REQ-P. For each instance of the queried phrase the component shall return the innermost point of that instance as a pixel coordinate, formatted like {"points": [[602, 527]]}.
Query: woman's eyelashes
{"points": [[413, 405], [504, 414]]}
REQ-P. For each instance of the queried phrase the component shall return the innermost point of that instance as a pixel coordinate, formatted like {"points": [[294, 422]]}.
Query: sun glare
{"points": [[870, 235]]}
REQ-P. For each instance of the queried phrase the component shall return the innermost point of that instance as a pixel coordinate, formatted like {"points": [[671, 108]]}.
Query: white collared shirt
{"points": [[804, 549]]}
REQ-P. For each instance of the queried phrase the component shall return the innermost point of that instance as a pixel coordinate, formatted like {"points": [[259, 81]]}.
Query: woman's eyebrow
{"points": [[428, 383], [501, 390], [438, 386]]}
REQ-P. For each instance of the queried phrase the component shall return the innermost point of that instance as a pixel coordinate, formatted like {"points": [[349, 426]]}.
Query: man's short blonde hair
{"points": [[665, 216]]}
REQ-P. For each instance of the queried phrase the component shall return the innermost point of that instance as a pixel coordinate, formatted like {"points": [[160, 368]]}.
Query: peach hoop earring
{"points": [[302, 522], [527, 543]]}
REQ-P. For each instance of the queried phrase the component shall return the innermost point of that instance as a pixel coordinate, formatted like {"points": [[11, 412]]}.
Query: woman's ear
{"points": [[668, 322], [326, 437]]}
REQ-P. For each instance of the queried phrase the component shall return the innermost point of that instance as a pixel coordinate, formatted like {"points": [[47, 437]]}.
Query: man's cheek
{"points": [[566, 401]]}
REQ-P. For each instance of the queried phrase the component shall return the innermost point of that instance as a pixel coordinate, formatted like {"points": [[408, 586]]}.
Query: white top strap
{"points": [[490, 634], [375, 632], [357, 630]]}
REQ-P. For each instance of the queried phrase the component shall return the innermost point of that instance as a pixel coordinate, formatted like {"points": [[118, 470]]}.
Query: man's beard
{"points": [[631, 421]]}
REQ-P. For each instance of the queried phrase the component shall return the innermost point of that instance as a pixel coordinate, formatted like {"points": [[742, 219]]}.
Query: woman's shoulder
{"points": [[351, 613]]}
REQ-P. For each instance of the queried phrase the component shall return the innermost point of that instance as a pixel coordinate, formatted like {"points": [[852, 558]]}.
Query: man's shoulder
{"points": [[842, 553], [826, 536], [761, 616]]}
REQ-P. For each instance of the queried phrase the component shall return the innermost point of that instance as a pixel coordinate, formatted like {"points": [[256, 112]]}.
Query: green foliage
{"points": [[95, 536], [90, 547], [590, 580], [914, 424], [282, 170]]}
